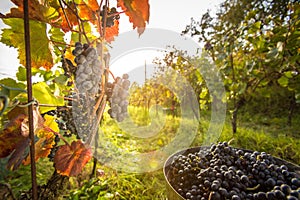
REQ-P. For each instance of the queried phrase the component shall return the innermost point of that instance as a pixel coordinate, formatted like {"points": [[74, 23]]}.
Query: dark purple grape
{"points": [[291, 198], [296, 182], [286, 189], [271, 195]]}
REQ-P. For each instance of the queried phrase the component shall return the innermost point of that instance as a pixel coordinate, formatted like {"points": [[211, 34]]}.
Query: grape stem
{"points": [[99, 20], [110, 72], [62, 43], [253, 188], [80, 21], [104, 18], [67, 19], [56, 133], [98, 102], [115, 14], [67, 98], [99, 117]]}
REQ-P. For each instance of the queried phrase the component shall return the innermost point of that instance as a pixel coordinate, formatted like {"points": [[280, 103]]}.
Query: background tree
{"points": [[254, 44]]}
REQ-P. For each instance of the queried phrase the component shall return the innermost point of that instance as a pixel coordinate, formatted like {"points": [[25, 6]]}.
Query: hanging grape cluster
{"points": [[83, 112], [222, 172], [88, 87], [54, 148], [111, 16], [89, 69], [119, 98], [66, 125]]}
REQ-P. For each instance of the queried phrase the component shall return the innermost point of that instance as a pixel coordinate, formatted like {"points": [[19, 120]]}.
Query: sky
{"points": [[171, 15]]}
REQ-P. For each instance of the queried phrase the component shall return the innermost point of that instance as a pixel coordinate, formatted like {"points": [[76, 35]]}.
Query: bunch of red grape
{"points": [[119, 98], [89, 69]]}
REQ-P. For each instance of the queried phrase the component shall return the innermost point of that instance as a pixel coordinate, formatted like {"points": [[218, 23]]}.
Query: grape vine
{"points": [[74, 95]]}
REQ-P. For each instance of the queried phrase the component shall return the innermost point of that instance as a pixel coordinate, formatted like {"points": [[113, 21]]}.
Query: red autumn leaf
{"points": [[12, 135], [37, 118], [69, 19], [14, 138], [69, 160], [111, 32], [36, 10], [18, 155], [13, 113], [137, 11]]}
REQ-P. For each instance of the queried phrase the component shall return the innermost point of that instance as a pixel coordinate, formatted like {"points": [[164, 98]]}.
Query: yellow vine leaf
{"points": [[14, 37], [46, 139]]}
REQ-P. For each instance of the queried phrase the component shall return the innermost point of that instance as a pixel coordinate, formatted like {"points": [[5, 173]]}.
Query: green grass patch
{"points": [[257, 133]]}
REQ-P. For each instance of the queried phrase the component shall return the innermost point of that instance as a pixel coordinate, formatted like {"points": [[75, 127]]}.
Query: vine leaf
{"points": [[51, 13], [93, 5], [46, 139], [69, 19], [44, 95], [137, 11], [18, 155], [14, 138], [111, 32], [37, 118], [69, 160], [37, 11], [14, 37], [283, 81], [88, 10], [12, 135], [11, 88]]}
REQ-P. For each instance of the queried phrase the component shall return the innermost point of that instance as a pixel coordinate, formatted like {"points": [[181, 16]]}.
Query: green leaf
{"points": [[14, 37], [44, 95], [288, 74], [264, 82], [254, 27], [11, 88], [297, 97], [47, 75], [265, 92], [4, 101], [21, 74], [243, 88], [283, 81], [57, 37], [61, 79]]}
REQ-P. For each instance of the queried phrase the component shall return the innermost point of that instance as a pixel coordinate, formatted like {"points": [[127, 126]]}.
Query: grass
{"points": [[254, 132]]}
